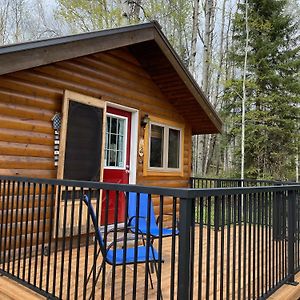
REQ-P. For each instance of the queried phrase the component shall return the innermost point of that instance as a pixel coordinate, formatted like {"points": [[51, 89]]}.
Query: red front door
{"points": [[116, 159]]}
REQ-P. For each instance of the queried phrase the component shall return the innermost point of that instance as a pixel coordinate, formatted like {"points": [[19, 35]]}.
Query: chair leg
{"points": [[93, 266], [152, 263], [97, 277], [150, 276]]}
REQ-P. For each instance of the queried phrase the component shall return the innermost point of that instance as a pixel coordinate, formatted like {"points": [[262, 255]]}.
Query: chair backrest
{"points": [[143, 210], [92, 214]]}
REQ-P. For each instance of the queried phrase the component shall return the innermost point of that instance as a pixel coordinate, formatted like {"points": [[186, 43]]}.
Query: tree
{"points": [[272, 88]]}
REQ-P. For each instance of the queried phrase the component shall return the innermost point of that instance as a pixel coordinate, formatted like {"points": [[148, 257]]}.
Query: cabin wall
{"points": [[30, 98]]}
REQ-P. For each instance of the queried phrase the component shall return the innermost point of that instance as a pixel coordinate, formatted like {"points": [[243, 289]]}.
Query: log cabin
{"points": [[116, 105]]}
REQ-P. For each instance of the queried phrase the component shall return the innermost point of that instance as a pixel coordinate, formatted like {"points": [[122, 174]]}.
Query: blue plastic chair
{"points": [[116, 256], [143, 216]]}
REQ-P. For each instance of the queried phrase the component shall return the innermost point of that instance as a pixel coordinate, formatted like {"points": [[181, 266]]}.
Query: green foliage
{"points": [[91, 15], [273, 89]]}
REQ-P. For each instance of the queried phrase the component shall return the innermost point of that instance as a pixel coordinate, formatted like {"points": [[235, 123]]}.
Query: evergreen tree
{"points": [[273, 88]]}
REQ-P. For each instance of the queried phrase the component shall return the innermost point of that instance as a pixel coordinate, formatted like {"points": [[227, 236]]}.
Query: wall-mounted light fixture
{"points": [[145, 120]]}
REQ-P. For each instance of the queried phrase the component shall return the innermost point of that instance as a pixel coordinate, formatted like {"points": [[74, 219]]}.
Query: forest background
{"points": [[245, 54]]}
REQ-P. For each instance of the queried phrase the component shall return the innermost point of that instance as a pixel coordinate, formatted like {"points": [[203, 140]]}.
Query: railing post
{"points": [[291, 237], [186, 251], [278, 218]]}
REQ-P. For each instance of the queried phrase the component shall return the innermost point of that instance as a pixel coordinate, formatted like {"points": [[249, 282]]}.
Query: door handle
{"points": [[127, 169]]}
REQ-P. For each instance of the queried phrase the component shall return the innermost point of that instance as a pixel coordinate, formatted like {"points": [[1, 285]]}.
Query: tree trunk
{"points": [[244, 94]]}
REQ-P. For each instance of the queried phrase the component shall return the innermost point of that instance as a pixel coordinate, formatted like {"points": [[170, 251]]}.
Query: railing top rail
{"points": [[241, 190], [165, 191], [244, 180]]}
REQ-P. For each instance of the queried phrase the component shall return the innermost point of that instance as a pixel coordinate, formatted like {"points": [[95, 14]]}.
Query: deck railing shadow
{"points": [[240, 242]]}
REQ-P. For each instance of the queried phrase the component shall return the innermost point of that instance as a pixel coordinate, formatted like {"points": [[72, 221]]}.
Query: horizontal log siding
{"points": [[29, 99]]}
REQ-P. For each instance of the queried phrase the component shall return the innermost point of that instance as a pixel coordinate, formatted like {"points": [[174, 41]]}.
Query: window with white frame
{"points": [[164, 147], [115, 141]]}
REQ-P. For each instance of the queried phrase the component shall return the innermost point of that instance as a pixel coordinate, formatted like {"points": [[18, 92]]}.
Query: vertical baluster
{"points": [[49, 250], [6, 225], [78, 244], [63, 248], [37, 233], [250, 270], [31, 231], [2, 224], [173, 248], [271, 199], [208, 247], [222, 247], [234, 246], [21, 229], [95, 254], [147, 270], [137, 213], [216, 233], [105, 243], [16, 228], [57, 231], [245, 221], [125, 246], [115, 237], [87, 242], [43, 235], [10, 231], [26, 229], [200, 263], [240, 198], [228, 253], [73, 194], [161, 215], [262, 199]]}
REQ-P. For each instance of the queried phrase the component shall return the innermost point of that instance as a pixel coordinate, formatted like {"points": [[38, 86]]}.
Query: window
{"points": [[156, 146], [115, 143], [174, 148], [164, 147]]}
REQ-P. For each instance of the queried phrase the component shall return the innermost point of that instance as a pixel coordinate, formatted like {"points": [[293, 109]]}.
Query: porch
{"points": [[241, 241], [10, 290]]}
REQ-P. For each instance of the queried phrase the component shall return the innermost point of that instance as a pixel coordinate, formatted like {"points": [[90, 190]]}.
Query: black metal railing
{"points": [[208, 183], [49, 242]]}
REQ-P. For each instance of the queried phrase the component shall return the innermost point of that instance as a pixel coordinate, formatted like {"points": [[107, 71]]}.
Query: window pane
{"points": [[114, 122], [156, 146], [115, 142], [174, 148]]}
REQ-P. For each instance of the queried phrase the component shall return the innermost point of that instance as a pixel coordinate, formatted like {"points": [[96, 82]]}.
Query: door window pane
{"points": [[156, 146], [174, 148], [115, 142]]}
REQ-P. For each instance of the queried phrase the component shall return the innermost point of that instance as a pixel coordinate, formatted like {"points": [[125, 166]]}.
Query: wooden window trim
{"points": [[152, 171]]}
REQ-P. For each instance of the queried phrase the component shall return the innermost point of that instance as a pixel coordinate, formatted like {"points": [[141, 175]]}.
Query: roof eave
{"points": [[187, 78], [35, 54]]}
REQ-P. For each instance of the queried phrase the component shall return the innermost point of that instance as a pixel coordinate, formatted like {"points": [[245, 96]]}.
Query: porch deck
{"points": [[10, 290], [69, 290]]}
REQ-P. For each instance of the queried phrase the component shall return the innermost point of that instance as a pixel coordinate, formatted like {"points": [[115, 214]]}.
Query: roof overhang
{"points": [[202, 116]]}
